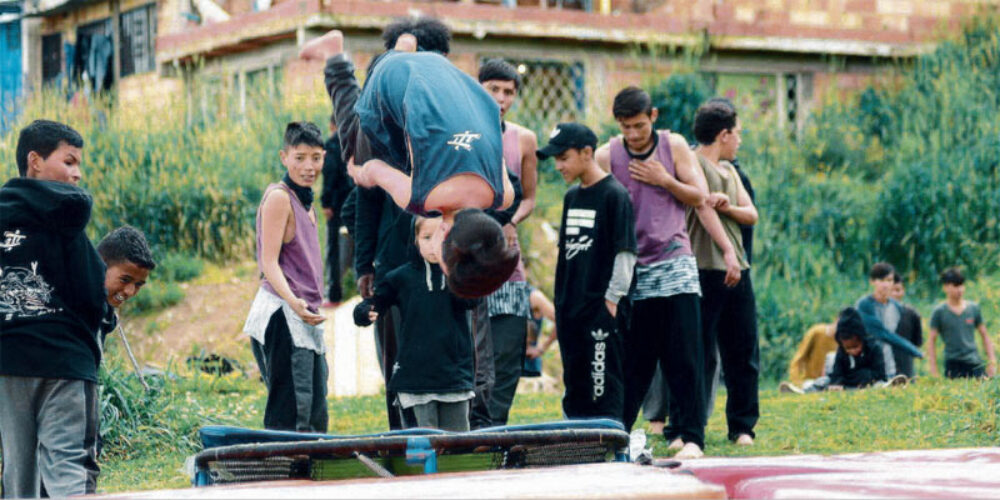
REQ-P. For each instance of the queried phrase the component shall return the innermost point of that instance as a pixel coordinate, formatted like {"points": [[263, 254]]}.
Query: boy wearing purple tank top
{"points": [[509, 308], [283, 320], [659, 171]]}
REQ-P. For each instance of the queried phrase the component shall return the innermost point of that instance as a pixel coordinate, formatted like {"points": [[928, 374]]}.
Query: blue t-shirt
{"points": [[421, 103]]}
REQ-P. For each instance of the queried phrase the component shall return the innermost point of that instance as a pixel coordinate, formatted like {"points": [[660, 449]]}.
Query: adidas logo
{"points": [[600, 335]]}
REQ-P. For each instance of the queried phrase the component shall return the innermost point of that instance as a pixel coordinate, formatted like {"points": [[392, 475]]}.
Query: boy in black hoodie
{"points": [[52, 299], [859, 361], [433, 373]]}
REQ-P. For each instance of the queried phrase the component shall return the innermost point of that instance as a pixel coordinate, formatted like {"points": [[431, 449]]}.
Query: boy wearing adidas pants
{"points": [[594, 271]]}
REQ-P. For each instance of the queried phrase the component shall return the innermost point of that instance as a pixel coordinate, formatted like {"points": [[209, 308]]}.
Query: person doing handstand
{"points": [[429, 135]]}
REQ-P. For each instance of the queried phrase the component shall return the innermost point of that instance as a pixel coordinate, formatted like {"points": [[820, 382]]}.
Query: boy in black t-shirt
{"points": [[596, 258]]}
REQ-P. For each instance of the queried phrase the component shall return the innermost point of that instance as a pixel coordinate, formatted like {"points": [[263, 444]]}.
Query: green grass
{"points": [[932, 413]]}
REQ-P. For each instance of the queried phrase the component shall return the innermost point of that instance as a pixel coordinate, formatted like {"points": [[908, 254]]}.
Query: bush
{"points": [[154, 296], [177, 267]]}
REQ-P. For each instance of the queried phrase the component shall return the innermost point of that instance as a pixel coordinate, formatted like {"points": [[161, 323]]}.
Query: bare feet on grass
{"points": [[676, 444], [656, 427], [744, 440], [689, 451], [324, 47]]}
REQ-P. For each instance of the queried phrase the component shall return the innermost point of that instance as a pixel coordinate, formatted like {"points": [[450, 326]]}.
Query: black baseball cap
{"points": [[566, 136]]}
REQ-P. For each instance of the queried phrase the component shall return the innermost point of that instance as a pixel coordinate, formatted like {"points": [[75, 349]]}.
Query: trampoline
{"points": [[235, 455]]}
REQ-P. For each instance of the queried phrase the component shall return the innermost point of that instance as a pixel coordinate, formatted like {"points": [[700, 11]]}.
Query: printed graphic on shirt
{"points": [[12, 240], [24, 293], [463, 140], [599, 365], [579, 223]]}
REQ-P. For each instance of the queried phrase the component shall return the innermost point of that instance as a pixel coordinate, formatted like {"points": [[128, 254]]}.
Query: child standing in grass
{"points": [[956, 321], [596, 258], [433, 373], [52, 300]]}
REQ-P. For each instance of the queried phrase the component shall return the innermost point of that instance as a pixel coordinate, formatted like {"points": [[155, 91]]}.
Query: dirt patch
{"points": [[209, 319]]}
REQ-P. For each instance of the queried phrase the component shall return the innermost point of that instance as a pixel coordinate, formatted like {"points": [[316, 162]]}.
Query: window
{"points": [[551, 92], [138, 40], [51, 57]]}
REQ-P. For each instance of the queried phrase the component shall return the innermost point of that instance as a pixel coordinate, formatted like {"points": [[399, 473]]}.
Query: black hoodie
{"points": [[857, 371], [435, 347], [52, 294]]}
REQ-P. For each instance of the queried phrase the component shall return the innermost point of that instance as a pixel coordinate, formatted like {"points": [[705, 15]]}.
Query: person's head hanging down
{"points": [[475, 254], [434, 137]]}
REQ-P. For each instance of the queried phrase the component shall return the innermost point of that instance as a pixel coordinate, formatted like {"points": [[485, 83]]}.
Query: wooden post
{"points": [[116, 42]]}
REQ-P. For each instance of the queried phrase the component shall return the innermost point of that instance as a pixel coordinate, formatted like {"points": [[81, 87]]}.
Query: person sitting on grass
{"points": [[956, 320], [812, 358], [433, 373], [435, 148]]}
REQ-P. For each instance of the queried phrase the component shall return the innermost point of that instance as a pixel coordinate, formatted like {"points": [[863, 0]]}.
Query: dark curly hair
{"points": [[431, 33], [126, 244], [477, 255]]}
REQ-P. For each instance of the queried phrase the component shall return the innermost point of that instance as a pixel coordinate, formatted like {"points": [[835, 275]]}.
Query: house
{"points": [[11, 78], [775, 56]]}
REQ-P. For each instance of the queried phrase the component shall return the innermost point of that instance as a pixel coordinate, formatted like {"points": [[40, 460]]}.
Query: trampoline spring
{"points": [[372, 465]]}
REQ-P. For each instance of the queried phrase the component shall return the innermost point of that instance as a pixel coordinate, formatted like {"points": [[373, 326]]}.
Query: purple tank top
{"points": [[512, 157], [300, 260], [660, 226]]}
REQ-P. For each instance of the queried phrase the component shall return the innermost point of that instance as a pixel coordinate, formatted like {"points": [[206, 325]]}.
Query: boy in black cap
{"points": [[596, 258]]}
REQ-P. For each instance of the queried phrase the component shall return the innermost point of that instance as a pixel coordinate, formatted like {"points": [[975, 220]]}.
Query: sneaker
{"points": [[676, 444], [744, 440], [898, 381], [789, 387], [689, 451]]}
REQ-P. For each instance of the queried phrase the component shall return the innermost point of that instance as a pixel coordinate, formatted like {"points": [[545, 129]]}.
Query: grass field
{"points": [[931, 413]]}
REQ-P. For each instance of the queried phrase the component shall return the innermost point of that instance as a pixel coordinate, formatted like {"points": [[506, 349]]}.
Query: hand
{"points": [[324, 47], [302, 310], [366, 285], [372, 315], [732, 268], [532, 352], [510, 233], [649, 171], [718, 201], [360, 175], [612, 308], [328, 213]]}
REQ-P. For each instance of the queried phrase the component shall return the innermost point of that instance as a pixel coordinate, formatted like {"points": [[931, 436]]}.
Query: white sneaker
{"points": [[789, 387], [676, 444], [744, 440], [689, 451], [898, 381]]}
